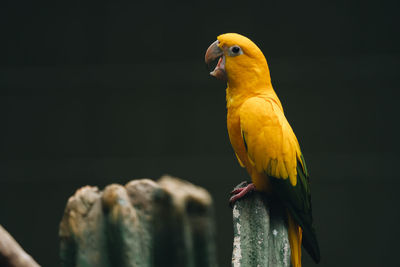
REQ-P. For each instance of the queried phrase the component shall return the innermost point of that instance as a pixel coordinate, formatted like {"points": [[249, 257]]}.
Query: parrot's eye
{"points": [[235, 51]]}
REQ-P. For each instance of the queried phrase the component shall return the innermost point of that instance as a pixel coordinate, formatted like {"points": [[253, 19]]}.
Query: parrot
{"points": [[262, 139]]}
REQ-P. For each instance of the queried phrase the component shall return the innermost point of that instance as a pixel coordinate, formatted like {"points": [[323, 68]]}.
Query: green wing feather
{"points": [[297, 199], [272, 148]]}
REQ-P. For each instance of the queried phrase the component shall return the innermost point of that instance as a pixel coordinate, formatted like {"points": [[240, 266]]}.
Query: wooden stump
{"points": [[144, 223], [260, 232]]}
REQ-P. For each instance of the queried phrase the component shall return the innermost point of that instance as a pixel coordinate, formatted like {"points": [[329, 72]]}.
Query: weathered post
{"points": [[144, 223], [11, 253], [260, 232]]}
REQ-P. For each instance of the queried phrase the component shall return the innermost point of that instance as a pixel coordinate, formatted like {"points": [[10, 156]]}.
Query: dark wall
{"points": [[104, 92]]}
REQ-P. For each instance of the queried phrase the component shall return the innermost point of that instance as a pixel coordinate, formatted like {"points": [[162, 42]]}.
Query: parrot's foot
{"points": [[240, 192]]}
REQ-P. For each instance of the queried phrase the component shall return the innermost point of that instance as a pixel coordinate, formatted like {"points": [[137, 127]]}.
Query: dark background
{"points": [[107, 91]]}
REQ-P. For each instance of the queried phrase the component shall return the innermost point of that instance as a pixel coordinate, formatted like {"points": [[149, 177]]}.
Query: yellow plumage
{"points": [[259, 132]]}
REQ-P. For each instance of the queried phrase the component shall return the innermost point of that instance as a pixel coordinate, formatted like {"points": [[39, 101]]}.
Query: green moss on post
{"points": [[143, 224], [82, 230], [260, 232]]}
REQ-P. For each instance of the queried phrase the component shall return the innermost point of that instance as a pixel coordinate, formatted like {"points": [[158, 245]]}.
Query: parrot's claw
{"points": [[236, 191], [241, 192]]}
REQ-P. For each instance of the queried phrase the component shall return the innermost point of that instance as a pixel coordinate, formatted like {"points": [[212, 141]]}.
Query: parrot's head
{"points": [[239, 59]]}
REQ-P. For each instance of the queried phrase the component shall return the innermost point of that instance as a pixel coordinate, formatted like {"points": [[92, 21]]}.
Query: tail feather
{"points": [[310, 243], [307, 236], [295, 236]]}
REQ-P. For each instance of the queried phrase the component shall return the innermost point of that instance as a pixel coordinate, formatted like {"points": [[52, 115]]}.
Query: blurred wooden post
{"points": [[144, 223], [260, 232], [11, 254]]}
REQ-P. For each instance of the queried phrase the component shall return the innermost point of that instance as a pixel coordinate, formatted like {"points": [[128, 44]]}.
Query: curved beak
{"points": [[213, 53]]}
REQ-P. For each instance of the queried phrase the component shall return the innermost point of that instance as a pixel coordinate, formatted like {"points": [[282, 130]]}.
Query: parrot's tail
{"points": [[295, 236]]}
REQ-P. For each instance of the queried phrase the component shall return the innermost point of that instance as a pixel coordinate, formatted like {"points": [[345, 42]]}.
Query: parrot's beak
{"points": [[213, 53]]}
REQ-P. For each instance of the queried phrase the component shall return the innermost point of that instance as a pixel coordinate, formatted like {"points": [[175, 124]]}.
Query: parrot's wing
{"points": [[272, 148]]}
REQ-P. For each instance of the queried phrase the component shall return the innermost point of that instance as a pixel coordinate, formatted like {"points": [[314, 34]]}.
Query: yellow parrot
{"points": [[262, 138]]}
